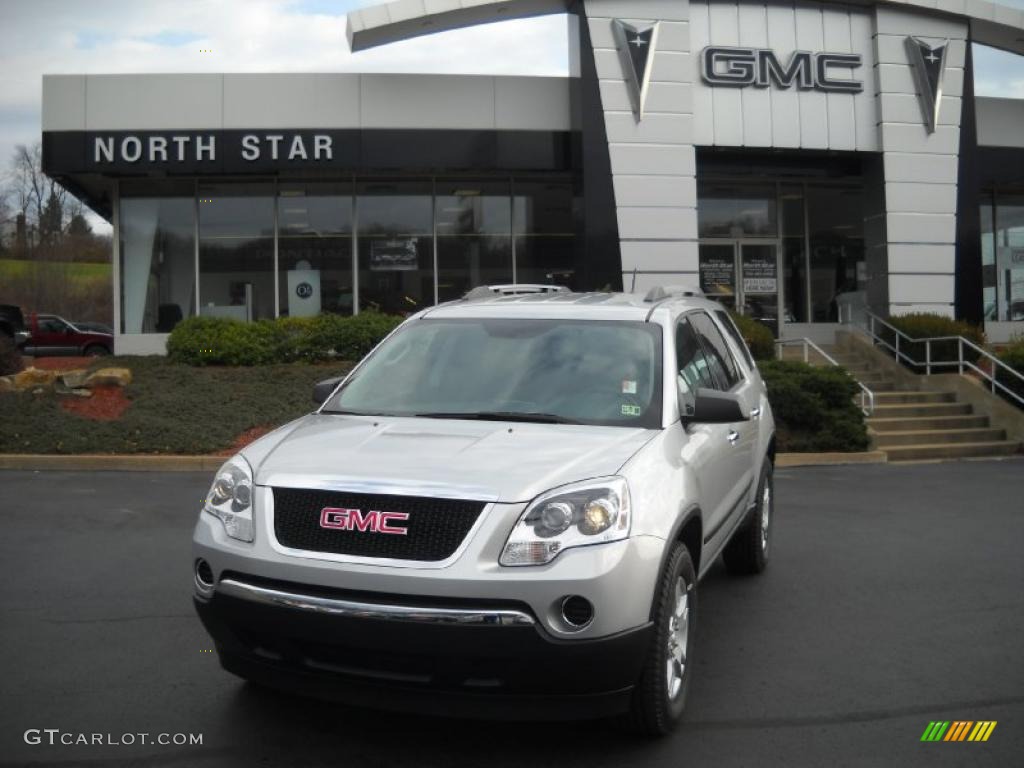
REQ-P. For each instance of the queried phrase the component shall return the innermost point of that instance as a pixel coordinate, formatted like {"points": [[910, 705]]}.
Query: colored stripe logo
{"points": [[959, 730]]}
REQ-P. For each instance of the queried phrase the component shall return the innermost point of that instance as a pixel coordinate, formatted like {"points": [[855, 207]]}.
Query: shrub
{"points": [[10, 358], [757, 336], [813, 407], [925, 325], [1012, 356], [220, 341]]}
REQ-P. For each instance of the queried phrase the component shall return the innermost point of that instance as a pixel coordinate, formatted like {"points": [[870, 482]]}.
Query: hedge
{"points": [[221, 341], [1013, 356], [757, 336], [925, 325], [814, 407]]}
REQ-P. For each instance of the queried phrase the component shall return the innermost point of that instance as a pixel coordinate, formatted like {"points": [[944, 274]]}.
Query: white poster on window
{"points": [[303, 292]]}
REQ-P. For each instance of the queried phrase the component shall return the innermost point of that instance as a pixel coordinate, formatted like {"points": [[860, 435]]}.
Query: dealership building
{"points": [[787, 157]]}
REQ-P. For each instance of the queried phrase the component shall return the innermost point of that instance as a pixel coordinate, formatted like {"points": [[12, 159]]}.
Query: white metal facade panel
{"points": [[652, 160], [920, 168], [776, 117], [304, 100]]}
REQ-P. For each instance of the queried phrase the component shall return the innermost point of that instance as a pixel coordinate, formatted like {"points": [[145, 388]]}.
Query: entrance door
{"points": [[744, 276]]}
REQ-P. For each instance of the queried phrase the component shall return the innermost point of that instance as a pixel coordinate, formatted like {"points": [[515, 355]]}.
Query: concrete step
{"points": [[893, 398], [922, 409], [952, 450], [884, 440], [917, 423]]}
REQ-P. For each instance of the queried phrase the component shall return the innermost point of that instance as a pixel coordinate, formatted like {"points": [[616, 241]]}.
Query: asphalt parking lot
{"points": [[895, 597]]}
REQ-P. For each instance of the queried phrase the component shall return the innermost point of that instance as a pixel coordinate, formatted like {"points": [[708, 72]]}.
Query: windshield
{"points": [[556, 371]]}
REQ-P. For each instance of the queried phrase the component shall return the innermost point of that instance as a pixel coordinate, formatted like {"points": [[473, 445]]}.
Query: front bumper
{"points": [[450, 657]]}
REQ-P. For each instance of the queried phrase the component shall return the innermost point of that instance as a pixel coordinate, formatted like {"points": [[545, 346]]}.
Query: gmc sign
{"points": [[761, 68], [374, 521]]}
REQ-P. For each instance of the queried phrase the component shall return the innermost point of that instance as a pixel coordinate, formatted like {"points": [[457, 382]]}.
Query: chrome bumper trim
{"points": [[484, 617]]}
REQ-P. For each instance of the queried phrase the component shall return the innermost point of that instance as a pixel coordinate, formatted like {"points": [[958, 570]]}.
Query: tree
{"points": [[78, 226], [50, 220]]}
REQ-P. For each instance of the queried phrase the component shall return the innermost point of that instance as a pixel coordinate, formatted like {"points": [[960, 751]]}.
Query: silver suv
{"points": [[505, 509]]}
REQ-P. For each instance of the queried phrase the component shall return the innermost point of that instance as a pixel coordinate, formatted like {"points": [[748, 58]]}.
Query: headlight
{"points": [[592, 512], [230, 498]]}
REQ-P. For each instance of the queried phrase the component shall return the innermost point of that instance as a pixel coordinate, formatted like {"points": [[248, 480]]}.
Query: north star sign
{"points": [[761, 68], [179, 148]]}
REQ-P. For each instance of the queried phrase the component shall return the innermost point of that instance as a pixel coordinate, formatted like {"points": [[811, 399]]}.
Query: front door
{"points": [[743, 276]]}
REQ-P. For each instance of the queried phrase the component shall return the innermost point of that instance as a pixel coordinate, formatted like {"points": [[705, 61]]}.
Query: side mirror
{"points": [[322, 390], [710, 406]]}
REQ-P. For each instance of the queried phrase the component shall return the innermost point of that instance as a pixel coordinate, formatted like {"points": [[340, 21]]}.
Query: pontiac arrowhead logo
{"points": [[929, 67], [637, 46]]}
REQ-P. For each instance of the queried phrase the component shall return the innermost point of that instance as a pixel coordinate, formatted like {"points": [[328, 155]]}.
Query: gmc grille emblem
{"points": [[374, 521]]}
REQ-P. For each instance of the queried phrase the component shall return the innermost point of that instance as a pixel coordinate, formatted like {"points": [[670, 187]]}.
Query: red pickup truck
{"points": [[50, 335]]}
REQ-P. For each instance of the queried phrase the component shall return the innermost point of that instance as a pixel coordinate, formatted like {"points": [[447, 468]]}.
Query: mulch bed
{"points": [[58, 363], [106, 404]]}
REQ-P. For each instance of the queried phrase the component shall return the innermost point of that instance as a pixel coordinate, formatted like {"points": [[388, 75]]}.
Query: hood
{"points": [[485, 460]]}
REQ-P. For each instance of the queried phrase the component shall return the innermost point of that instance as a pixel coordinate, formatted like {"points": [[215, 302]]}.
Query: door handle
{"points": [[734, 436], [756, 413]]}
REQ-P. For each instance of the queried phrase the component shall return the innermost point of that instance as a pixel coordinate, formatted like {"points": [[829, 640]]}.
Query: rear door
{"points": [[737, 468]]}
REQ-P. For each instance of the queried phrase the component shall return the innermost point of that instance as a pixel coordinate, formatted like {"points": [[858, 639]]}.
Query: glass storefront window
{"points": [[794, 254], [474, 236], [542, 213], [315, 249], [418, 241], [736, 210], [236, 251], [1009, 256], [396, 246], [157, 255], [835, 222], [989, 278]]}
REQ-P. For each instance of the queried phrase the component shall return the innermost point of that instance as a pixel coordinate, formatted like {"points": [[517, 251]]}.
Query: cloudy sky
{"points": [[97, 36]]}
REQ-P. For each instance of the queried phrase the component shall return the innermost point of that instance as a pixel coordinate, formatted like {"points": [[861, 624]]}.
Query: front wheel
{"points": [[660, 696], [747, 552], [96, 350]]}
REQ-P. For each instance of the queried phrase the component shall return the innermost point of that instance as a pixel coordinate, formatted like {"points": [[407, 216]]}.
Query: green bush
{"points": [[10, 358], [925, 325], [220, 341], [757, 336], [814, 407], [1012, 356]]}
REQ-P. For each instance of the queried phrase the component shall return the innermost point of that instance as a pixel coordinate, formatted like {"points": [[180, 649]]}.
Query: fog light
{"points": [[204, 578], [577, 612]]}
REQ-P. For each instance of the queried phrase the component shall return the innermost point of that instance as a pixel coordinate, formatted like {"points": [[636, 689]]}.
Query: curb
{"points": [[111, 463], [829, 459], [129, 463]]}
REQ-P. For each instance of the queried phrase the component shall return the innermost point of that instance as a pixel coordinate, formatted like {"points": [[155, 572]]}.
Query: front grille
{"points": [[435, 527]]}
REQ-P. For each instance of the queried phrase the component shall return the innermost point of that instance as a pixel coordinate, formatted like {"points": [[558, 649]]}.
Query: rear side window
{"points": [[734, 332], [719, 356]]}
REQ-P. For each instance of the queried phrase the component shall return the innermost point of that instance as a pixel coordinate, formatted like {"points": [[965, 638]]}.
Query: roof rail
{"points": [[662, 292], [512, 289]]}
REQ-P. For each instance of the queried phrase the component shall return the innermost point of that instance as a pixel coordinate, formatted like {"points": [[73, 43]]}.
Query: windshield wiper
{"points": [[525, 416], [354, 413]]}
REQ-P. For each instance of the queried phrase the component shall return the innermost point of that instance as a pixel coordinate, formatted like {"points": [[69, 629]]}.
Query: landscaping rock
{"points": [[74, 379], [7, 384], [33, 378], [120, 377]]}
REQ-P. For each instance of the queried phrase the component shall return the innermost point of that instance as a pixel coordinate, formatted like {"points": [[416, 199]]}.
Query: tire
{"points": [[747, 552], [660, 695], [96, 350]]}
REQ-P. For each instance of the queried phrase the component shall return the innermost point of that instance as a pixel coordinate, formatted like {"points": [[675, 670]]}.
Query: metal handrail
{"points": [[961, 362], [867, 396]]}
